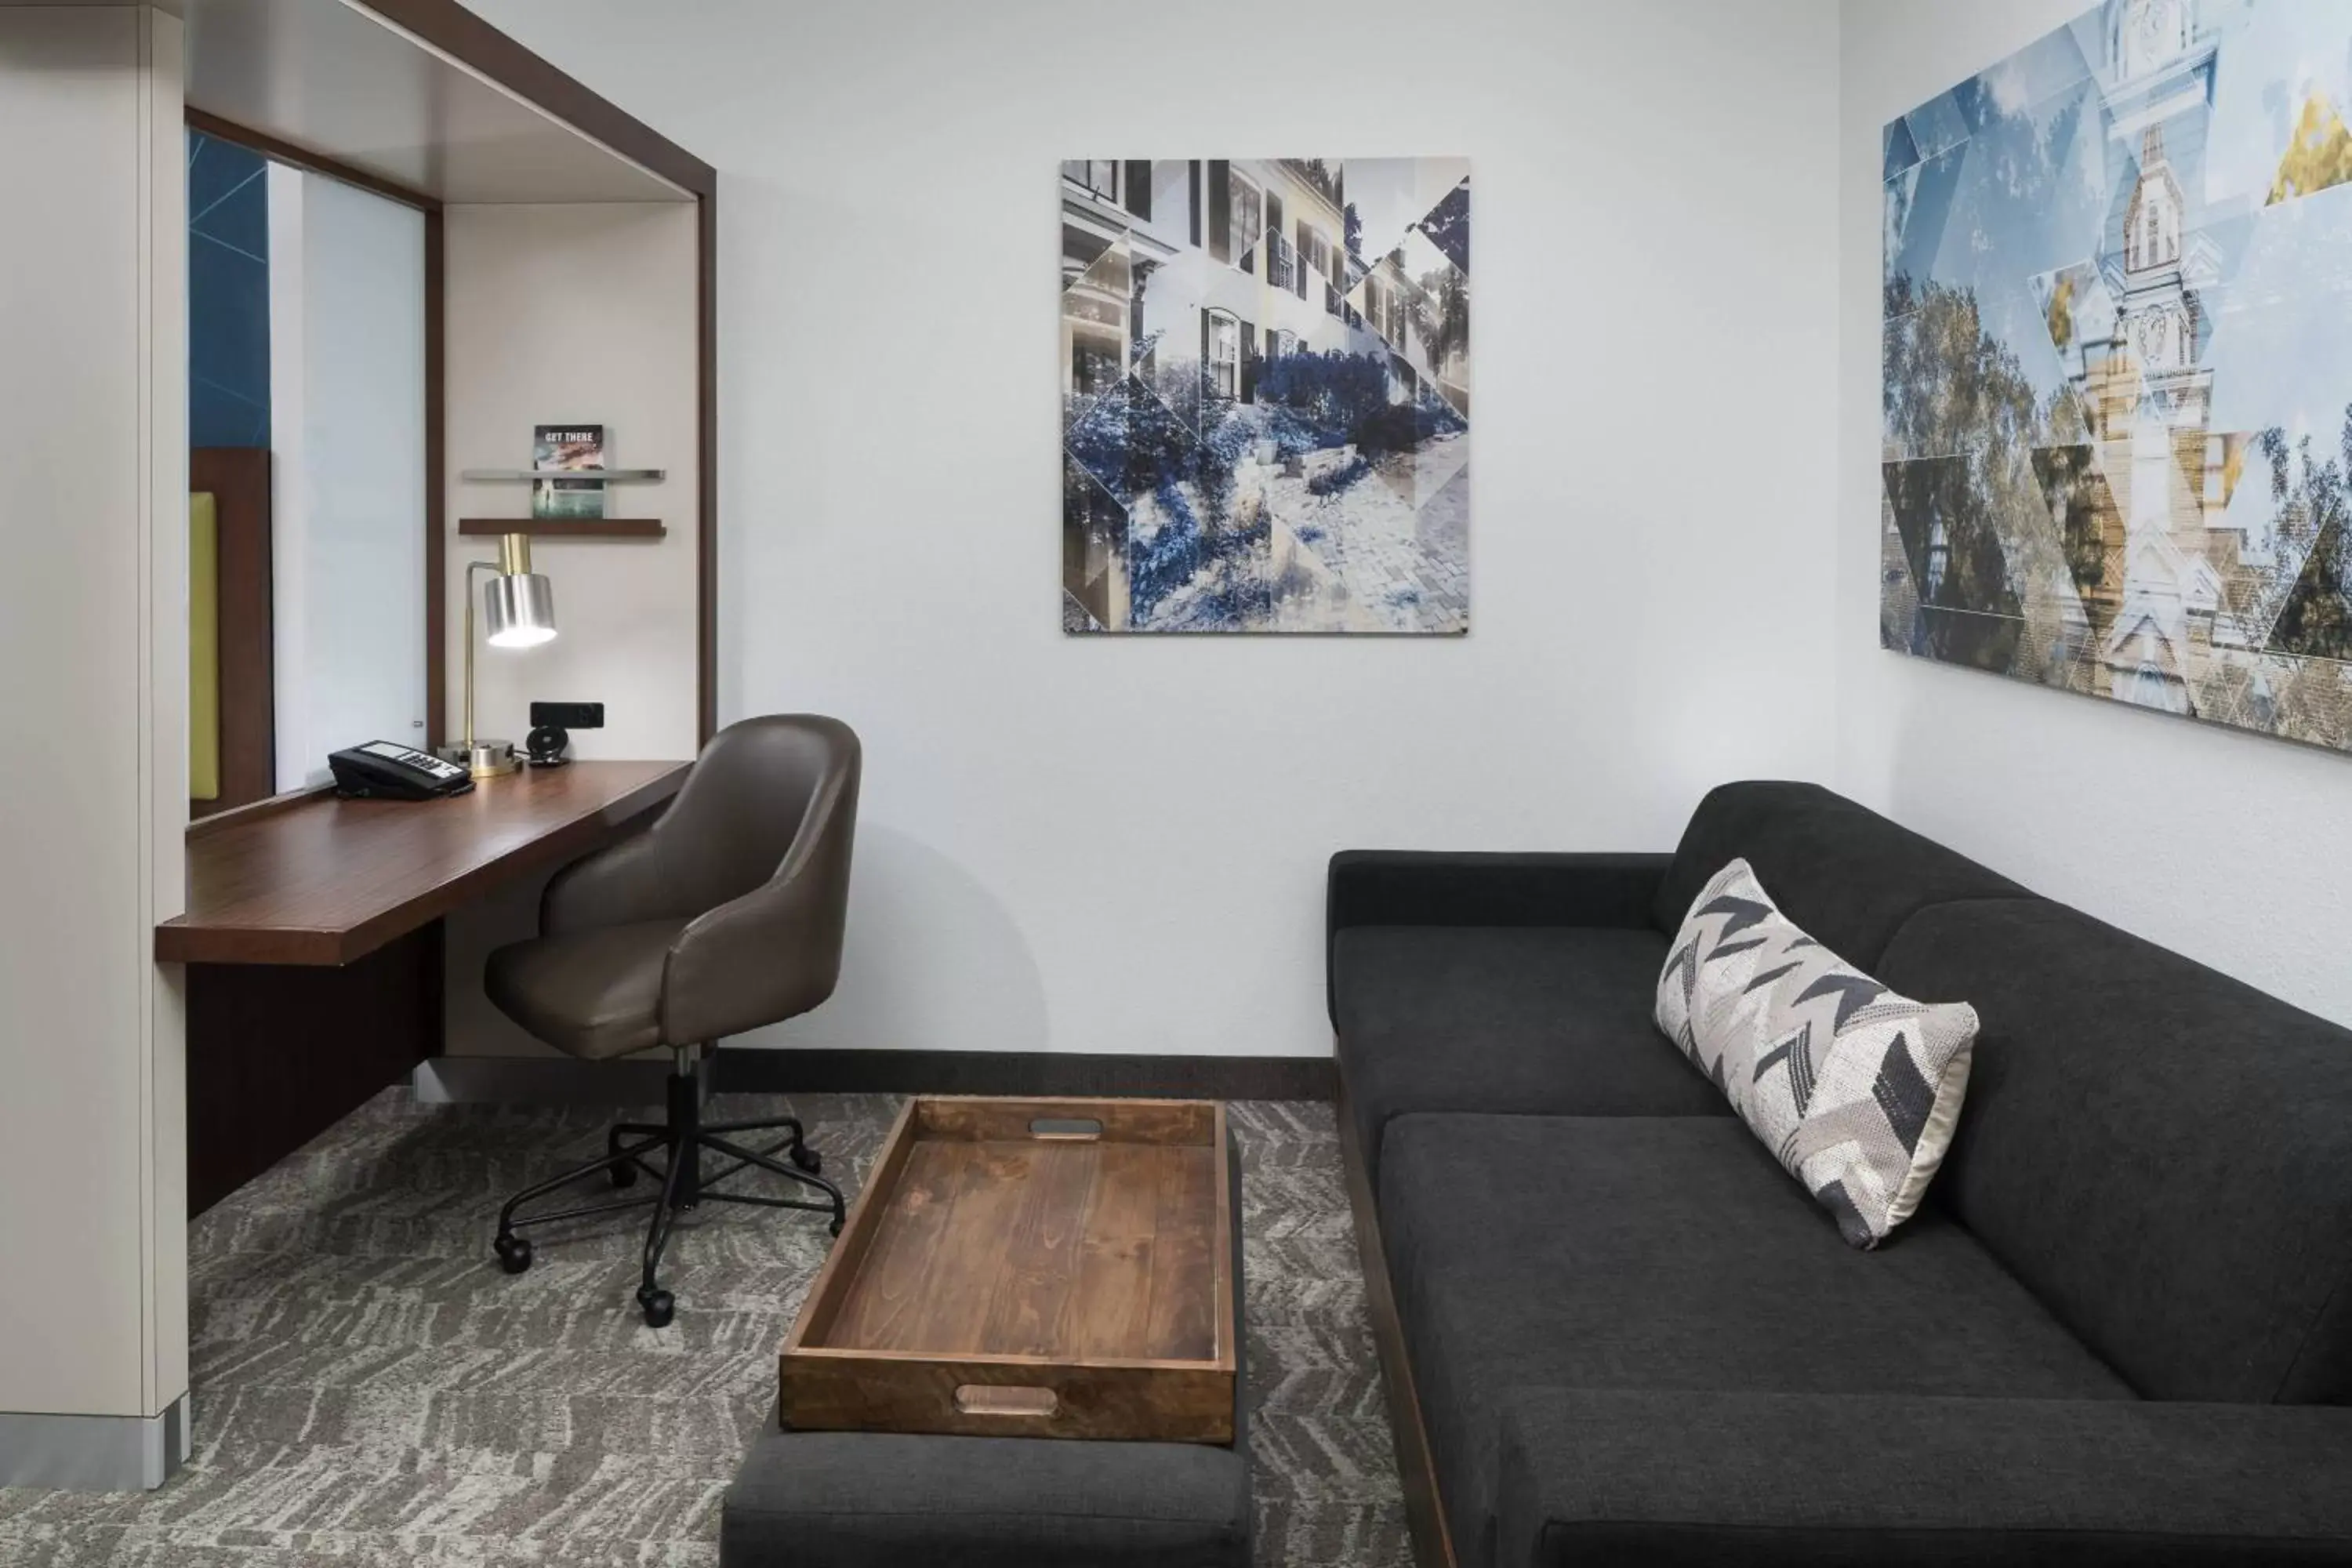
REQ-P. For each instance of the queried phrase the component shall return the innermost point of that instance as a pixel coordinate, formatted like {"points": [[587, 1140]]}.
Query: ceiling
{"points": [[335, 79]]}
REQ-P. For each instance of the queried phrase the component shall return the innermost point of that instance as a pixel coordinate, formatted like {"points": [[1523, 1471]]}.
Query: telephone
{"points": [[385, 769]]}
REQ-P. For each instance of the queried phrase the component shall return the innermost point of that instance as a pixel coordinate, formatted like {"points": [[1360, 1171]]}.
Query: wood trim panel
{"points": [[1425, 1506], [437, 489], [824, 1298], [238, 478], [987, 1118], [706, 486], [456, 31], [287, 153], [330, 880], [837, 1391], [1224, 1243]]}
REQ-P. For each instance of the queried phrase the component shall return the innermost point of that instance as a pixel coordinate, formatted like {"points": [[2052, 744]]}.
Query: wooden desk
{"points": [[326, 880], [313, 943]]}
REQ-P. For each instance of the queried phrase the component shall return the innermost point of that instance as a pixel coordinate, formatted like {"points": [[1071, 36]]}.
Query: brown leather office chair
{"points": [[726, 915]]}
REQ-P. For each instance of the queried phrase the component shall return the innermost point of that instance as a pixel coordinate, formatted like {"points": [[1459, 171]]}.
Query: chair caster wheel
{"points": [[625, 1173], [660, 1306], [514, 1253], [806, 1157]]}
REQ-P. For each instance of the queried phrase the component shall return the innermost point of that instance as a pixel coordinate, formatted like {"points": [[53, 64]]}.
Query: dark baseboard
{"points": [[792, 1071], [539, 1081]]}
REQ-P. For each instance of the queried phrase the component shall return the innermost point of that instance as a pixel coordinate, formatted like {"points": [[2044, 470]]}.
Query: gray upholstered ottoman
{"points": [[884, 1500], [881, 1499]]}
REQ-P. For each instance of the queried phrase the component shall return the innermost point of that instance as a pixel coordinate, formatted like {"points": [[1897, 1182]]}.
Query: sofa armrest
{"points": [[1418, 888], [1594, 1477]]}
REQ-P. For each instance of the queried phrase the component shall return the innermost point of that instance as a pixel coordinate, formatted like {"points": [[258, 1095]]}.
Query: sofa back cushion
{"points": [[2161, 1154], [1844, 873]]}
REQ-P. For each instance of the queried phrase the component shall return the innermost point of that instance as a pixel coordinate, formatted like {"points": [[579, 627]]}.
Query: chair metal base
{"points": [[681, 1144]]}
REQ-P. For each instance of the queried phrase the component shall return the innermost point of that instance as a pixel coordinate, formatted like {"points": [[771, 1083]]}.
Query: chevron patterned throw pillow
{"points": [[1854, 1089]]}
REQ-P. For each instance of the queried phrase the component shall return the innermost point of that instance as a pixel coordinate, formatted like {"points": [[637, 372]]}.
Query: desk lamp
{"points": [[518, 611]]}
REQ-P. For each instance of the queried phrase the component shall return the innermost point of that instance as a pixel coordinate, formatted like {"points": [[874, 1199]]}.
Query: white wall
{"points": [[563, 314], [347, 434], [1119, 845], [93, 639], [2231, 848]]}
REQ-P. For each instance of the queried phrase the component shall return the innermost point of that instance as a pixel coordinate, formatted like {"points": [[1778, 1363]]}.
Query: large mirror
{"points": [[307, 476]]}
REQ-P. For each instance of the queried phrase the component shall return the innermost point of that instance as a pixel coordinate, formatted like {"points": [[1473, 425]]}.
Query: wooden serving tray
{"points": [[1029, 1267]]}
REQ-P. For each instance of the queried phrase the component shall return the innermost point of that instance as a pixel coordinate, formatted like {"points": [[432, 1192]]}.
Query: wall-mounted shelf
{"points": [[565, 527], [585, 476]]}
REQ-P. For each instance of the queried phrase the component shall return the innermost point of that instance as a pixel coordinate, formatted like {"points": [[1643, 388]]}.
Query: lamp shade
{"points": [[518, 609]]}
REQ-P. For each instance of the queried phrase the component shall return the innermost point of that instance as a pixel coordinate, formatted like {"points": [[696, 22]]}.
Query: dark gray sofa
{"points": [[1616, 1332]]}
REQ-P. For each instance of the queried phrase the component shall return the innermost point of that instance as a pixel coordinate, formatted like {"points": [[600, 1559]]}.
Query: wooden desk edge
{"points": [[179, 942]]}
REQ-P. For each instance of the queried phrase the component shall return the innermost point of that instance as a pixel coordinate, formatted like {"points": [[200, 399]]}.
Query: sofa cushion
{"points": [[2163, 1154], [1853, 1087], [1546, 1019], [1606, 1477], [1475, 888], [1672, 1253], [1844, 873]]}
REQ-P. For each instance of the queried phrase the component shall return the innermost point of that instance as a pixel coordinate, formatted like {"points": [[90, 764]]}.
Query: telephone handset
{"points": [[382, 770]]}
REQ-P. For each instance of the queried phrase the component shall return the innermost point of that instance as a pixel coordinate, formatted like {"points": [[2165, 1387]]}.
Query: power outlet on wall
{"points": [[568, 715]]}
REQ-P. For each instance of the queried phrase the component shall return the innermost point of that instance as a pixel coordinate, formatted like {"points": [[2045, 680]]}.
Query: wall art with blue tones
{"points": [[2117, 355], [1266, 394]]}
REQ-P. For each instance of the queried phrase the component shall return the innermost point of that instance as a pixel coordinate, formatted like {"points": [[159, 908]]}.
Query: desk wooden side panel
{"points": [[276, 1055]]}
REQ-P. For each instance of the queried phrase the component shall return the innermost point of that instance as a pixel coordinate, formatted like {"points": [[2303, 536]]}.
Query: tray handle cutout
{"points": [[998, 1399], [1067, 1129]]}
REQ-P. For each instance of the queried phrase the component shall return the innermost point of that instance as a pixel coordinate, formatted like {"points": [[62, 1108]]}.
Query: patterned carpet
{"points": [[370, 1388]]}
